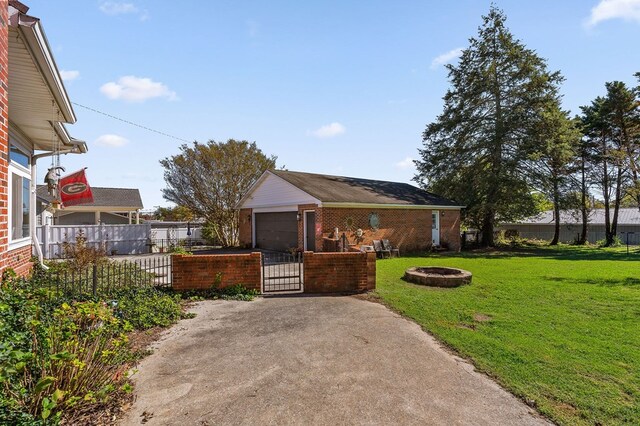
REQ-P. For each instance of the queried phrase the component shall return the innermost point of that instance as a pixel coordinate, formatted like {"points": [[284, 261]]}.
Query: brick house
{"points": [[285, 210], [33, 107]]}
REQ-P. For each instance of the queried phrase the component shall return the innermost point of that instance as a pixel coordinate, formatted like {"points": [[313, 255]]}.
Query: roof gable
{"points": [[271, 191]]}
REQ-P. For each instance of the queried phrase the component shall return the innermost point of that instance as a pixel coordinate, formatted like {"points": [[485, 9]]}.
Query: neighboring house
{"points": [[285, 210], [33, 107], [111, 206], [542, 226]]}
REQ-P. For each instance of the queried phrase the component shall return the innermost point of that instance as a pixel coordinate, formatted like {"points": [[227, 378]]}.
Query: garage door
{"points": [[276, 231]]}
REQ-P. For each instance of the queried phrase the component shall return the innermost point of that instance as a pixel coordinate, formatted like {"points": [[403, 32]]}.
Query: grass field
{"points": [[559, 328]]}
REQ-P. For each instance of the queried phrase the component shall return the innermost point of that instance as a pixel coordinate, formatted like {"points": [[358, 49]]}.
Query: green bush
{"points": [[53, 358], [147, 307], [237, 292]]}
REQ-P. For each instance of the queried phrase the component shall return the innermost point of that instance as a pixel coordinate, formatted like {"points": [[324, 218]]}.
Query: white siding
{"points": [[274, 191]]}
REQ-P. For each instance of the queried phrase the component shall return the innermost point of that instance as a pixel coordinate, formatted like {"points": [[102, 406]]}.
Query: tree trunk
{"points": [[583, 203], [616, 206], [487, 230], [605, 193], [556, 213]]}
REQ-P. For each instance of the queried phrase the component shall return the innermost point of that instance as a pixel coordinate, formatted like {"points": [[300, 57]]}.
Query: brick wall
{"points": [[301, 210], [339, 272], [199, 272], [450, 229], [409, 230], [19, 260], [245, 234], [4, 132]]}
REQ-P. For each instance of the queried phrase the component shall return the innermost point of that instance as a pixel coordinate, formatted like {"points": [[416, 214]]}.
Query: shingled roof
{"points": [[127, 198], [341, 189]]}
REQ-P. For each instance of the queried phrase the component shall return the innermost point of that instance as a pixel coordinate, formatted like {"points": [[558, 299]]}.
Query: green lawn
{"points": [[558, 327]]}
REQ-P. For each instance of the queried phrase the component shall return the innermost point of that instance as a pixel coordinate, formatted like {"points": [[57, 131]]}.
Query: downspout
{"points": [[33, 200]]}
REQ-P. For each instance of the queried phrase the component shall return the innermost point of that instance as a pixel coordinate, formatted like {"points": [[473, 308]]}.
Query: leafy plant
{"points": [[178, 249], [55, 356], [79, 255], [147, 307]]}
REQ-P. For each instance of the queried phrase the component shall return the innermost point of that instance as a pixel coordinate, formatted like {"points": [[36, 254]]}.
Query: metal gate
{"points": [[282, 272]]}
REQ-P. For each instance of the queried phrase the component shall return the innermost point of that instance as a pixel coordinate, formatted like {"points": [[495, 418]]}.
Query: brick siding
{"points": [[301, 210], [245, 236], [450, 229], [19, 260], [407, 229], [339, 272], [199, 272], [5, 257]]}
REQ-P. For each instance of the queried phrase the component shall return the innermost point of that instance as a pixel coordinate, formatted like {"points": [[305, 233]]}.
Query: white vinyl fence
{"points": [[114, 239]]}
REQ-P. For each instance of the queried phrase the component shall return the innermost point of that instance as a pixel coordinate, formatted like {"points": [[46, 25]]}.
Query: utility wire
{"points": [[132, 123]]}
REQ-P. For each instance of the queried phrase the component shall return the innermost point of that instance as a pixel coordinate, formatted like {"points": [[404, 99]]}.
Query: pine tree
{"points": [[551, 166], [476, 150]]}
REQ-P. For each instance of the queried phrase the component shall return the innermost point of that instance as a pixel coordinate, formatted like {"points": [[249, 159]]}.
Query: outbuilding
{"points": [[541, 226], [287, 210]]}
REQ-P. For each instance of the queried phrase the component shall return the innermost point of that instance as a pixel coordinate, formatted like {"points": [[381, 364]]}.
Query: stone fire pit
{"points": [[437, 276]]}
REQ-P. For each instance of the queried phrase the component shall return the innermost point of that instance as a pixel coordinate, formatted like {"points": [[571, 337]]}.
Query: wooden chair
{"points": [[380, 251], [392, 250]]}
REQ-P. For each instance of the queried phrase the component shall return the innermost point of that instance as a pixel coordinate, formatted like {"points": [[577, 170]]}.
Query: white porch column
{"points": [[129, 215], [137, 217], [97, 218]]}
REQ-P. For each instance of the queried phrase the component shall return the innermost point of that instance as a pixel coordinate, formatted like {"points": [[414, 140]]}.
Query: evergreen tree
{"points": [[551, 166], [476, 150], [612, 124]]}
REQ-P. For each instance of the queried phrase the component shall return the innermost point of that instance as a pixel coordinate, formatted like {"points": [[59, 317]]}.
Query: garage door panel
{"points": [[276, 231]]}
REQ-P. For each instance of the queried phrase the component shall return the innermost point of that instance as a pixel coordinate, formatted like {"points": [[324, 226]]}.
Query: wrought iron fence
{"points": [[107, 276]]}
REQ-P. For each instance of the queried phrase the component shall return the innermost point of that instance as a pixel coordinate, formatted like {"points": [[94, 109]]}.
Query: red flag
{"points": [[74, 189]]}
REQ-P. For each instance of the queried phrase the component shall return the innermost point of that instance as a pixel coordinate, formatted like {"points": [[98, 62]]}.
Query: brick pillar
{"points": [[371, 270], [4, 130]]}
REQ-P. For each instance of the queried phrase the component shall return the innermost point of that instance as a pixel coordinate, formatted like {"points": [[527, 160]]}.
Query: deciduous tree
{"points": [[210, 179]]}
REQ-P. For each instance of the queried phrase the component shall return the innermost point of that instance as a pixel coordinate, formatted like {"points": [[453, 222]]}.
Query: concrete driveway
{"points": [[312, 360]]}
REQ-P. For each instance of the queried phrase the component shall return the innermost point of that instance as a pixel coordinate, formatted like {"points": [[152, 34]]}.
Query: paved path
{"points": [[312, 360]]}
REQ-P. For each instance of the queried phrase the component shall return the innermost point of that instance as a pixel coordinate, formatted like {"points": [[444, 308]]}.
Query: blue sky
{"points": [[332, 87]]}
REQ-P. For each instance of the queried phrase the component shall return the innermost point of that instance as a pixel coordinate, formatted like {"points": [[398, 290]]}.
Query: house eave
{"points": [[343, 205]]}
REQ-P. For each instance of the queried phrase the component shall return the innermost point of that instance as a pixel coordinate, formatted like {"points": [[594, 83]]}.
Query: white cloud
{"points": [[405, 164], [328, 131], [628, 10], [446, 58], [113, 141], [136, 89], [117, 8], [114, 8], [69, 75]]}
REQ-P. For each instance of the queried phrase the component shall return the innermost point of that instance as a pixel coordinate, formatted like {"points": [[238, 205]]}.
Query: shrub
{"points": [[56, 358], [79, 255], [178, 249], [237, 292], [147, 307]]}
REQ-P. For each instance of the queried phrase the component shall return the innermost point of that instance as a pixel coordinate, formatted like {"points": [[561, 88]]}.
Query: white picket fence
{"points": [[115, 239]]}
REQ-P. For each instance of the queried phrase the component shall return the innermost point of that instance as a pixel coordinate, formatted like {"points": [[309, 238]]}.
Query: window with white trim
{"points": [[19, 192]]}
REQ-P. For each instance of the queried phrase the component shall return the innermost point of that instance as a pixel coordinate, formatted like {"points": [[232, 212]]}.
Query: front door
{"points": [[435, 227], [310, 231]]}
